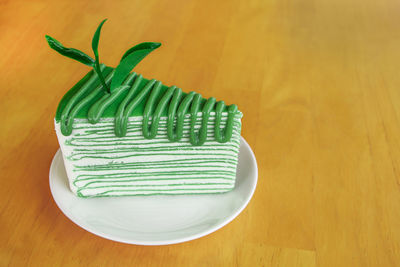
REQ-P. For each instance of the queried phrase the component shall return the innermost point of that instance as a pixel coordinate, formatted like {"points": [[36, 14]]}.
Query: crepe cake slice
{"points": [[121, 134]]}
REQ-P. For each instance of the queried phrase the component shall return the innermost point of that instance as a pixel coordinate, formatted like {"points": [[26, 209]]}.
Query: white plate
{"points": [[156, 220]]}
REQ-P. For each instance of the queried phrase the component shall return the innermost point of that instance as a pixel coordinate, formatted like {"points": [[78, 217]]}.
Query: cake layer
{"points": [[98, 163]]}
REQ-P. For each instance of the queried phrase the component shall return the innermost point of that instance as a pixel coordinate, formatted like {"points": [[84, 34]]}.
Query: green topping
{"points": [[174, 134], [129, 60], [156, 100], [121, 123], [119, 117], [66, 124], [148, 110], [70, 52], [198, 139], [108, 92], [98, 108], [224, 135], [95, 45]]}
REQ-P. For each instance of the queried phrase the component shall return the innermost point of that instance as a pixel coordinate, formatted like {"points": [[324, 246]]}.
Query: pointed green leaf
{"points": [[145, 45], [95, 45], [129, 60], [96, 38], [70, 52]]}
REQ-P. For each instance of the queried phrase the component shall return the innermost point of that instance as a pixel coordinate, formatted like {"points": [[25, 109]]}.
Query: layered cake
{"points": [[121, 134]]}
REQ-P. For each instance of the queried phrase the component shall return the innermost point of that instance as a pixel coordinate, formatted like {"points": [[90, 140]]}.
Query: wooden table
{"points": [[318, 83]]}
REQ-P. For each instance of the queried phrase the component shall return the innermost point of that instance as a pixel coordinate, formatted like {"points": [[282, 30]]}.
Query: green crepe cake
{"points": [[121, 134]]}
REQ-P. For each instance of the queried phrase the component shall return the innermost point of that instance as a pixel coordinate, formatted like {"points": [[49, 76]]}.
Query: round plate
{"points": [[156, 220]]}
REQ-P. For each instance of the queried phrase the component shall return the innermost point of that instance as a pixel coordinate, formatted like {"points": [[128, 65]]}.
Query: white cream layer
{"points": [[98, 163]]}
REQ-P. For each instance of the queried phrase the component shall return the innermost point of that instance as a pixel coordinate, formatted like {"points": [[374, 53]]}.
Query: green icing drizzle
{"points": [[200, 137], [156, 116], [175, 134], [98, 108], [121, 127], [154, 99], [224, 135]]}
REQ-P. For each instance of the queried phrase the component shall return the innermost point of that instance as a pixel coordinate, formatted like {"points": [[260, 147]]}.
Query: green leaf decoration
{"points": [[95, 45], [96, 38], [70, 52], [129, 60], [144, 45]]}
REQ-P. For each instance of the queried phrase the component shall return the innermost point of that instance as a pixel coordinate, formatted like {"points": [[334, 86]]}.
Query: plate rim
{"points": [[225, 222]]}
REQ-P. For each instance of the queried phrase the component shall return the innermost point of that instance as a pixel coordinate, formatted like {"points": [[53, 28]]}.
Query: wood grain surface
{"points": [[318, 83]]}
